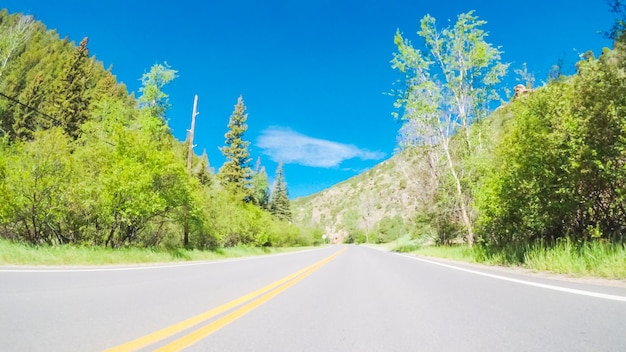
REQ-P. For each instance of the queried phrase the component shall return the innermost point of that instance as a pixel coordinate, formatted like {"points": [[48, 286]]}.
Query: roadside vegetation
{"points": [[12, 253], [542, 179], [83, 163], [533, 178], [588, 259]]}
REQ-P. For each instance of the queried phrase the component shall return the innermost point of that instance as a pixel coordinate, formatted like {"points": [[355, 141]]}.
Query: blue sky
{"points": [[313, 74]]}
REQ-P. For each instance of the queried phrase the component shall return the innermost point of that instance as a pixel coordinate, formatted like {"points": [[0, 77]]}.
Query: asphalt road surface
{"points": [[339, 298]]}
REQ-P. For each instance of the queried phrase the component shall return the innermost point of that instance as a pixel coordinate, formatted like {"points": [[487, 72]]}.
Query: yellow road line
{"points": [[205, 331], [176, 328]]}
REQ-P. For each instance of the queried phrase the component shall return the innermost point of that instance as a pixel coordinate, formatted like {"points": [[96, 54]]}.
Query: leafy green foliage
{"points": [[619, 27], [546, 169], [36, 180], [559, 171], [84, 163], [448, 87], [350, 223], [260, 189], [389, 229], [152, 96]]}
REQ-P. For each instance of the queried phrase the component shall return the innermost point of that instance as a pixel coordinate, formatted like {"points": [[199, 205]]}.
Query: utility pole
{"points": [[189, 158], [193, 126]]}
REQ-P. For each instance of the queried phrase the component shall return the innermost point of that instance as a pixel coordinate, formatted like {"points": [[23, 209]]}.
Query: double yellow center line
{"points": [[251, 300]]}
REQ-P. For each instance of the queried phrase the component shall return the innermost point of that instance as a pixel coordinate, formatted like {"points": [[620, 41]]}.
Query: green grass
{"points": [[461, 253], [589, 259], [402, 244], [594, 259], [21, 254]]}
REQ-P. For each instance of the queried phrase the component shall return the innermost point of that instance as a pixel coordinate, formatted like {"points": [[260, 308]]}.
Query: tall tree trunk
{"points": [[111, 234], [186, 232], [469, 237]]}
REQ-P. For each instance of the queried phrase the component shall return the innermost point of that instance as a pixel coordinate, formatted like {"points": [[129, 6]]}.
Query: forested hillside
{"points": [[84, 162], [546, 167]]}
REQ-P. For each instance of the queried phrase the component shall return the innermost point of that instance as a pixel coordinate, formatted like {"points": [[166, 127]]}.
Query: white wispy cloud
{"points": [[295, 148]]}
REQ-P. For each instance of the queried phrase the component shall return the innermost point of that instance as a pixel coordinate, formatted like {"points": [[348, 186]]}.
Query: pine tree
{"points": [[202, 170], [24, 127], [71, 94], [71, 91], [30, 76], [236, 174], [279, 201]]}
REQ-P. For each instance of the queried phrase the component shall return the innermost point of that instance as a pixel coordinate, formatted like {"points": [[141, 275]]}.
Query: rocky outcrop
{"points": [[520, 90]]}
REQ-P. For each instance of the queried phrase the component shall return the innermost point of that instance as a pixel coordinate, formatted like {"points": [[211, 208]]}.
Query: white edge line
{"points": [[523, 282], [149, 267]]}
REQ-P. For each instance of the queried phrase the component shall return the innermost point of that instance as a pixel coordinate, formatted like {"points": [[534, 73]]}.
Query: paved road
{"points": [[341, 298]]}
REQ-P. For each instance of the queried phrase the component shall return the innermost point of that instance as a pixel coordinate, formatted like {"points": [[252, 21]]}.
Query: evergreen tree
{"points": [[236, 174], [71, 95], [202, 170], [24, 127], [107, 86], [31, 75], [279, 201]]}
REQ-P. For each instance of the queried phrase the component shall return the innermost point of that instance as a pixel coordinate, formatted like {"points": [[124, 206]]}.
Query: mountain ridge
{"points": [[363, 203]]}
